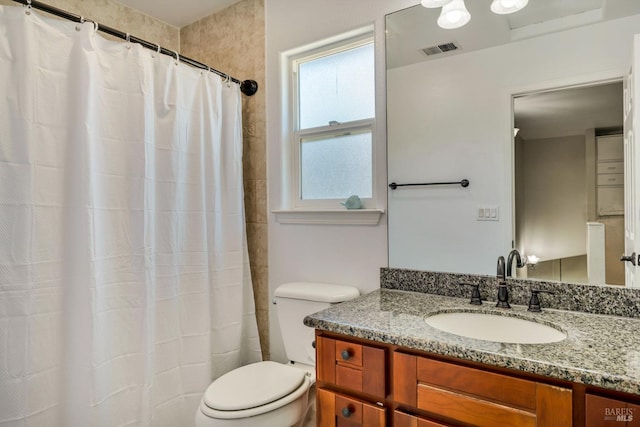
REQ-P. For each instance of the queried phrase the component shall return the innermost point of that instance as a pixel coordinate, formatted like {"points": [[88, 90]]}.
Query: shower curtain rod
{"points": [[248, 87]]}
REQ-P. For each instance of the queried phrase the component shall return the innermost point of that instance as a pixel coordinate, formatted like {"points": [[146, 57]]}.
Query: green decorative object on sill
{"points": [[353, 202]]}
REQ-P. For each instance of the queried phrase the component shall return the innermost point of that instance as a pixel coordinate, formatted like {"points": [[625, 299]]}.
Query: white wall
{"points": [[554, 172], [451, 118], [326, 253]]}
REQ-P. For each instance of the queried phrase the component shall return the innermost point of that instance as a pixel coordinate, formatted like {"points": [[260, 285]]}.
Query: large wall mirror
{"points": [[555, 190]]}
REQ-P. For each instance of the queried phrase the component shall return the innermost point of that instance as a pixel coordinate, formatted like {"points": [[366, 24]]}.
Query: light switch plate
{"points": [[488, 213]]}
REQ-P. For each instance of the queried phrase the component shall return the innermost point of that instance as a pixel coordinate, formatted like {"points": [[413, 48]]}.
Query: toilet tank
{"points": [[294, 301]]}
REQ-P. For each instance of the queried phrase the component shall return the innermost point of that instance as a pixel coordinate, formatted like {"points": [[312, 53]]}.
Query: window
{"points": [[333, 125]]}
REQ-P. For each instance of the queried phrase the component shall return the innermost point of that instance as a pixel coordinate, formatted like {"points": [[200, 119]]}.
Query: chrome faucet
{"points": [[519, 262], [503, 292]]}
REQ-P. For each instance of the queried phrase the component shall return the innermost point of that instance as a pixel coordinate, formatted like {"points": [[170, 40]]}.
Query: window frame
{"points": [[298, 135]]}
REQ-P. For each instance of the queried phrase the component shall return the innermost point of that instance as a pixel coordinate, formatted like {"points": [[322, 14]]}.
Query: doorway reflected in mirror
{"points": [[569, 183]]}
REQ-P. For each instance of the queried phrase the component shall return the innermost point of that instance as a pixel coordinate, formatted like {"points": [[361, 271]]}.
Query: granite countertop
{"points": [[599, 350]]}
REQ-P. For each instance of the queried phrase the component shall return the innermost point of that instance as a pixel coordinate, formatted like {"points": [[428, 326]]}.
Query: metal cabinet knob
{"points": [[346, 355], [347, 411]]}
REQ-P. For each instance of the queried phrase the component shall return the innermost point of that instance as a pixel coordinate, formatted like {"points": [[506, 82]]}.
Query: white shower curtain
{"points": [[124, 274]]}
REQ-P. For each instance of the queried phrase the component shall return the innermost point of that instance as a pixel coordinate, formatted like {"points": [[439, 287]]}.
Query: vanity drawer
{"points": [[335, 409], [478, 397], [433, 374], [352, 366]]}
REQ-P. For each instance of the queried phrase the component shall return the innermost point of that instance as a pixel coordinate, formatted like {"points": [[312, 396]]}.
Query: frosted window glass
{"points": [[336, 167], [338, 87]]}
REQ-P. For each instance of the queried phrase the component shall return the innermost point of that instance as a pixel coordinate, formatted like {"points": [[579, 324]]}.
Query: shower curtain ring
{"points": [[153, 55], [96, 26], [28, 7], [128, 39], [177, 57]]}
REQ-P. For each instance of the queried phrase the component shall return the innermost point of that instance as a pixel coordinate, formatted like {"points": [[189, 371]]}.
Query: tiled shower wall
{"points": [[120, 17], [232, 41]]}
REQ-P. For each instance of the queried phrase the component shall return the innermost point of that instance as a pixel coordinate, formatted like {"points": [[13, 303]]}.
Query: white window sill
{"points": [[330, 216]]}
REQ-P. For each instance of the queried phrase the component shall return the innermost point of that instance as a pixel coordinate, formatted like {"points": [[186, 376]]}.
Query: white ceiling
{"points": [[569, 112], [178, 12]]}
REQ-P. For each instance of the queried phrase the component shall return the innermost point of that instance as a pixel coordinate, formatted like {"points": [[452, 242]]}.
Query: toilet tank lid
{"points": [[321, 292]]}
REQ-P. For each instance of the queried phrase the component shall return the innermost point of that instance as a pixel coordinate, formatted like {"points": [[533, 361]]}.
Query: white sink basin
{"points": [[496, 328]]}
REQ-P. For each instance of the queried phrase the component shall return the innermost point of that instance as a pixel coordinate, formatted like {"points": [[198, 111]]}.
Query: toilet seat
{"points": [[254, 389]]}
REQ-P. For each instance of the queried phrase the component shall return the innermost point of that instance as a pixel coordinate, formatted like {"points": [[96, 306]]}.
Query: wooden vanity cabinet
{"points": [[366, 383]]}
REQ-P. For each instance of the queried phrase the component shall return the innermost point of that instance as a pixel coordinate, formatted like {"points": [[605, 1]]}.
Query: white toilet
{"points": [[270, 394]]}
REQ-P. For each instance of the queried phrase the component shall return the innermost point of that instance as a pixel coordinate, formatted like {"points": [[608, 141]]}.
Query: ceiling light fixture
{"points": [[503, 7], [454, 13], [434, 3]]}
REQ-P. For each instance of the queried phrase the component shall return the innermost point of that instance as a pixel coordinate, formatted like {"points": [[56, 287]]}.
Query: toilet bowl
{"points": [[270, 394]]}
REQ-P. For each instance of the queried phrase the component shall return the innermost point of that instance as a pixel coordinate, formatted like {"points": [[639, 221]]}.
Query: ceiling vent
{"points": [[441, 48]]}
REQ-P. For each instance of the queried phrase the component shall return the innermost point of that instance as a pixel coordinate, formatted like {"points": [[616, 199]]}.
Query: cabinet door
{"points": [[610, 200], [606, 412], [352, 366], [478, 397], [610, 147], [337, 410]]}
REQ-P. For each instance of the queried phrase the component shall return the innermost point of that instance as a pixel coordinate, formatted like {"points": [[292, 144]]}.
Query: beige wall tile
{"points": [[254, 155], [261, 201], [119, 17], [263, 331], [261, 293], [257, 233], [233, 41]]}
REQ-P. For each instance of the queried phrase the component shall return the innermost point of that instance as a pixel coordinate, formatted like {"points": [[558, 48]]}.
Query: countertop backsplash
{"points": [[596, 299]]}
